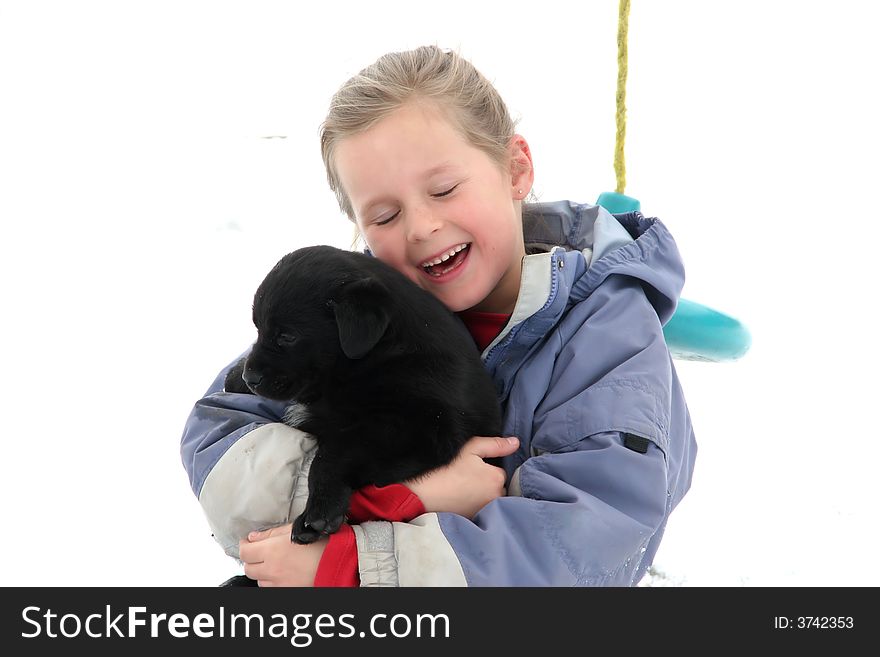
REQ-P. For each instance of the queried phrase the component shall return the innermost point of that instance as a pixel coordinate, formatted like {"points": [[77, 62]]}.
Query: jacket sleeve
{"points": [[609, 455], [248, 470]]}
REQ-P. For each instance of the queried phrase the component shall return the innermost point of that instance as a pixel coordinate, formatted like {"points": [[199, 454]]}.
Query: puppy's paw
{"points": [[308, 531], [302, 533]]}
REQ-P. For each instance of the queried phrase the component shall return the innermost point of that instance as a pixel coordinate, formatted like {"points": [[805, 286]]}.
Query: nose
{"points": [[252, 378], [421, 223]]}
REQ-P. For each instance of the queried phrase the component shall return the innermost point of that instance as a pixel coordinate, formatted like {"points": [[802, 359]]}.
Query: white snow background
{"points": [[142, 201]]}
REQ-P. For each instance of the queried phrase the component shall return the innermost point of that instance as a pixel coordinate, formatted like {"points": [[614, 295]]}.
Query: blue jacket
{"points": [[587, 384]]}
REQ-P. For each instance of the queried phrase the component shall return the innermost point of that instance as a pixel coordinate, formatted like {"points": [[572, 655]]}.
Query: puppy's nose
{"points": [[252, 378]]}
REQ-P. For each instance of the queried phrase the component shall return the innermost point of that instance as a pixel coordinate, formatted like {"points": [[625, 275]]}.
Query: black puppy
{"points": [[379, 371]]}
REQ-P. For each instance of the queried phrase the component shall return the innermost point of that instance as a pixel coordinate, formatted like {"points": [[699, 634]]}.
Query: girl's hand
{"points": [[273, 560], [468, 483]]}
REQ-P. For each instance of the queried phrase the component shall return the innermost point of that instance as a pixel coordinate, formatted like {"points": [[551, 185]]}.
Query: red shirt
{"points": [[484, 327]]}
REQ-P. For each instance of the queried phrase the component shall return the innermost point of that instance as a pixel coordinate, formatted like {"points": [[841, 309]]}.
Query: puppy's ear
{"points": [[362, 316]]}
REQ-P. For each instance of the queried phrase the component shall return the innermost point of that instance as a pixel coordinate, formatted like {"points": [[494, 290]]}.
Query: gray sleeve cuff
{"points": [[414, 553], [377, 562]]}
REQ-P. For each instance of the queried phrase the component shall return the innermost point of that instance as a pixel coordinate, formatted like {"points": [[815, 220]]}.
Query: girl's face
{"points": [[421, 192]]}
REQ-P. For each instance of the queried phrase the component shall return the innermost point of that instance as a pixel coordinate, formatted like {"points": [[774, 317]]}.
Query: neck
{"points": [[502, 300]]}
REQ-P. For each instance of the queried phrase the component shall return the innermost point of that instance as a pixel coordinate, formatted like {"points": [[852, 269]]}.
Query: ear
{"points": [[362, 316], [522, 170]]}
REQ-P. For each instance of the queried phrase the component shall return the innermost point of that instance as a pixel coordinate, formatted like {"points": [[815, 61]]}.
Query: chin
{"points": [[461, 303], [470, 296]]}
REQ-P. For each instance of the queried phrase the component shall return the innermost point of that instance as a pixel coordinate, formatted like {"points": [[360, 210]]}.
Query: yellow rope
{"points": [[619, 163]]}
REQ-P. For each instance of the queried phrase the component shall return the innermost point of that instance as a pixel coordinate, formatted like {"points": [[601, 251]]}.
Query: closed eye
{"points": [[385, 221], [393, 216], [446, 193], [285, 339]]}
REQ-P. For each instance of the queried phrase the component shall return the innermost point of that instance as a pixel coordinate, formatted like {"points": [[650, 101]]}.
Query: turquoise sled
{"points": [[695, 331]]}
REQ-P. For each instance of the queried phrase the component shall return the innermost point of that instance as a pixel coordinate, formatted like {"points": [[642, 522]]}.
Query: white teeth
{"points": [[444, 257]]}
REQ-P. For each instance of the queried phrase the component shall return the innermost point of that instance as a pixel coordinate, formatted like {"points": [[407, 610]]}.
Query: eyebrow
{"points": [[440, 168]]}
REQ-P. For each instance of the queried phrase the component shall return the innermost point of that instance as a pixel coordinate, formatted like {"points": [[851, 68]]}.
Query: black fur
{"points": [[391, 381]]}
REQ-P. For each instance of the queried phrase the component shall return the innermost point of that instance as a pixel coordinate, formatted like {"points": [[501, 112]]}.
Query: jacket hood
{"points": [[625, 244]]}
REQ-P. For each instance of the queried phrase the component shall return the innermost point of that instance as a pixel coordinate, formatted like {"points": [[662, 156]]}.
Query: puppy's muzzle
{"points": [[252, 378]]}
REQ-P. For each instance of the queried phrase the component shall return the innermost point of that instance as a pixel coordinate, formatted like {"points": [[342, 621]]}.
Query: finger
{"points": [[244, 549], [269, 533], [250, 559], [250, 552], [282, 530], [488, 447], [254, 570], [257, 536]]}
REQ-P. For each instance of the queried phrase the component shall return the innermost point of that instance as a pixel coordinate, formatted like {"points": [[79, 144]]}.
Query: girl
{"points": [[566, 303]]}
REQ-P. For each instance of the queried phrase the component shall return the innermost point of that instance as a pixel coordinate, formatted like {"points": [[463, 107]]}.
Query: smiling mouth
{"points": [[447, 262]]}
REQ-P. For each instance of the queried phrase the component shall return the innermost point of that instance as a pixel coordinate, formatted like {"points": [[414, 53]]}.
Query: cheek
{"points": [[500, 235], [393, 257], [407, 270]]}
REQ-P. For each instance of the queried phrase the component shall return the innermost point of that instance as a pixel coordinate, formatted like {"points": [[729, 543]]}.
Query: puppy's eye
{"points": [[285, 339]]}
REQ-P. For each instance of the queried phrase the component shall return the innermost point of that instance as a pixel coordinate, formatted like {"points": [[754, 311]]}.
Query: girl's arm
{"points": [[247, 469], [464, 486]]}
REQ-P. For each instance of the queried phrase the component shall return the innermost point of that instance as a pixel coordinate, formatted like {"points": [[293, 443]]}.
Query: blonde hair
{"points": [[445, 79]]}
